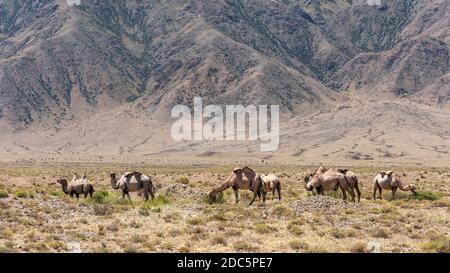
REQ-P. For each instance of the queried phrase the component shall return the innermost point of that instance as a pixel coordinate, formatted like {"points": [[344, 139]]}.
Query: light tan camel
{"points": [[329, 180], [270, 183], [352, 180], [133, 182], [241, 178], [77, 186], [389, 181]]}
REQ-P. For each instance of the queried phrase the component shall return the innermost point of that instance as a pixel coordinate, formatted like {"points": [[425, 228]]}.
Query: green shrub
{"points": [[102, 209], [183, 180], [3, 194], [22, 193], [262, 228], [424, 195], [281, 211], [195, 221], [380, 233], [294, 229], [220, 198], [297, 245], [243, 246], [158, 201], [440, 244], [100, 197], [359, 247]]}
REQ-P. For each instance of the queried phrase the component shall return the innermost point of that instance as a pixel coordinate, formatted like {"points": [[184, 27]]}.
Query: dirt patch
{"points": [[183, 191], [322, 203]]}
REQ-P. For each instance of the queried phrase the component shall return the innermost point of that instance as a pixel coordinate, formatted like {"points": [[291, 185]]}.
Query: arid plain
{"points": [[36, 216]]}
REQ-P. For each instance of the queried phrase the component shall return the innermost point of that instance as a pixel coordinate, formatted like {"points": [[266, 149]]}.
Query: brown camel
{"points": [[352, 180], [329, 180], [241, 178]]}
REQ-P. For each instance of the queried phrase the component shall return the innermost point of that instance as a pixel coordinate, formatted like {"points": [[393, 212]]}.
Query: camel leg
{"points": [[381, 191], [393, 193], [77, 195], [352, 193], [151, 193], [254, 198], [319, 190], [85, 195], [146, 195], [375, 189], [344, 194], [279, 191], [358, 191], [236, 194]]}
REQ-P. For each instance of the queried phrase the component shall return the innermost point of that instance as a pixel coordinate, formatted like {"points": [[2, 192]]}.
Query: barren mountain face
{"points": [[354, 82]]}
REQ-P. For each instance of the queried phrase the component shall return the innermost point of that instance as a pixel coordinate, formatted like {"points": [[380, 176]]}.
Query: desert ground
{"points": [[36, 216]]}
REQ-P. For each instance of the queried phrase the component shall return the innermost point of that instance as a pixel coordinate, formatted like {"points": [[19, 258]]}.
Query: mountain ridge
{"points": [[65, 67]]}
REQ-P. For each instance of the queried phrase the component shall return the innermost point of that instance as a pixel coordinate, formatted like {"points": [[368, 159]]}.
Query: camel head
{"points": [[238, 171], [63, 183], [114, 183], [212, 196], [308, 181], [412, 188]]}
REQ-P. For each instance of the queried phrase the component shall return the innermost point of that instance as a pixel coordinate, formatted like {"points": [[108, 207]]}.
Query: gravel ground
{"points": [[322, 203]]}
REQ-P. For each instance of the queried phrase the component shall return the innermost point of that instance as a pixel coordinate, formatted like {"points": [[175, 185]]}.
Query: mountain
{"points": [[98, 80]]}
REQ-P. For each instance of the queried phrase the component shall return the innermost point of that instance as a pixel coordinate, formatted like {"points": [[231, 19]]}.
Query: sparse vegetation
{"points": [[190, 225], [440, 244], [183, 180], [23, 193], [4, 194], [424, 195]]}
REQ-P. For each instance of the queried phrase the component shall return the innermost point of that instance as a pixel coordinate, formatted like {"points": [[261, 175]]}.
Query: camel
{"points": [[133, 182], [77, 186], [270, 183], [241, 178], [329, 180], [389, 181], [352, 180]]}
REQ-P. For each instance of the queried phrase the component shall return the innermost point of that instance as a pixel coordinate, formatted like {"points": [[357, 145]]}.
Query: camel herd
{"points": [[322, 180]]}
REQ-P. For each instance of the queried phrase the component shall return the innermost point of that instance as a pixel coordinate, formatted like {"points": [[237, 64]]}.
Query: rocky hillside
{"points": [[103, 61]]}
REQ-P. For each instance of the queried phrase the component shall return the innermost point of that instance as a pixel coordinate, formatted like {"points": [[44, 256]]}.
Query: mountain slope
{"points": [[94, 80]]}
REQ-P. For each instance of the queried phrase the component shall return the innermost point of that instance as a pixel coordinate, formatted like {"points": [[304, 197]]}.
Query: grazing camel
{"points": [[270, 183], [133, 182], [352, 180], [77, 186], [329, 180], [241, 178], [389, 181]]}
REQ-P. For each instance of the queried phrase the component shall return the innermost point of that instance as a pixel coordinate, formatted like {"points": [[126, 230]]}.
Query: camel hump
{"points": [[237, 170], [390, 172], [343, 171], [128, 174]]}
